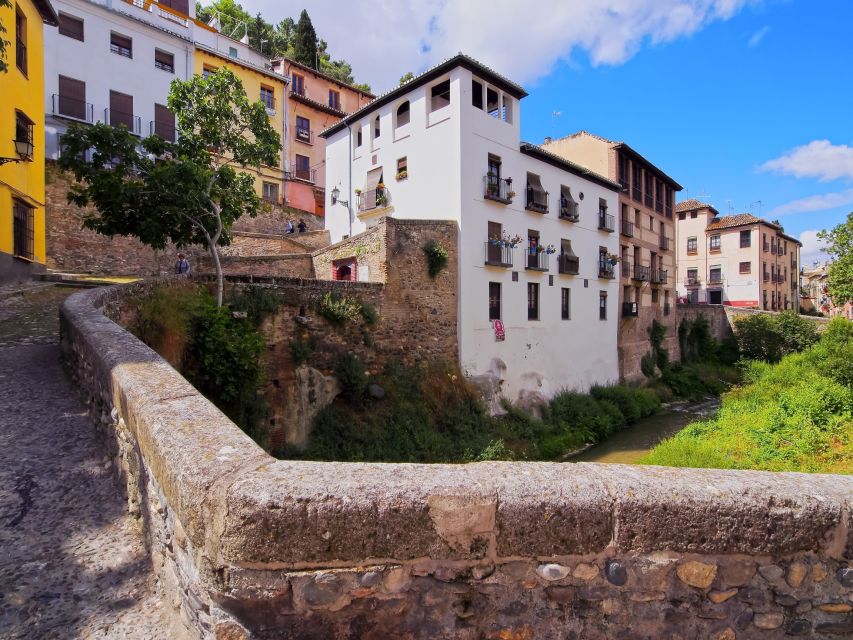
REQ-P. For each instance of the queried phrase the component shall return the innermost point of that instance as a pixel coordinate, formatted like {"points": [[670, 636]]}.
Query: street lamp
{"points": [[335, 193], [24, 149]]}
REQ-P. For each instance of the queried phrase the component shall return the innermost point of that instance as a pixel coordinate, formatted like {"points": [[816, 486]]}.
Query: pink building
{"points": [[315, 101]]}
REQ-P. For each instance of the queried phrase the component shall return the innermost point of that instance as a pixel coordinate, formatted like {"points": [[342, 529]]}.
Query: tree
{"points": [[839, 244], [185, 192], [406, 77], [305, 42], [3, 42]]}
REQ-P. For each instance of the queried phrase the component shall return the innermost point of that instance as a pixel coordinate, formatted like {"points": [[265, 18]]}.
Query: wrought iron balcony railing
{"points": [[498, 255], [569, 264], [72, 108], [536, 260], [116, 118], [497, 189], [606, 222]]}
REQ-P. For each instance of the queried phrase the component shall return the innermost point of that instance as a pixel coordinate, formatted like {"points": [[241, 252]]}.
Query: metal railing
{"points": [[301, 173], [570, 213], [660, 276], [497, 189], [637, 193], [72, 108], [664, 243], [766, 246], [627, 228], [606, 269], [668, 209], [305, 135], [122, 51], [569, 264], [165, 130], [630, 310], [536, 260], [766, 277], [692, 281], [116, 118], [641, 272], [374, 199], [606, 222], [648, 200], [715, 278], [164, 66], [536, 201], [498, 255], [626, 269]]}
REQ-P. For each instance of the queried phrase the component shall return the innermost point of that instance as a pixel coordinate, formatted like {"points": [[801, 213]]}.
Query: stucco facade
{"points": [[315, 102], [439, 138], [22, 224], [739, 260], [646, 248]]}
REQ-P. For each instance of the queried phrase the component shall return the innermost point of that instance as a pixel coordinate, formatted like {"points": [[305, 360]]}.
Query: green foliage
{"points": [[339, 309], [436, 258], [301, 350], [770, 338], [795, 415], [180, 192], [695, 340], [839, 244], [350, 373], [406, 77], [305, 42], [256, 301], [369, 314]]}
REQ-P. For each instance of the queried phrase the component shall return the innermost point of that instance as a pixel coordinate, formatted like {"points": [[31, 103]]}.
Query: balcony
{"points": [[715, 279], [692, 281], [120, 50], [569, 264], [660, 276], [116, 118], [498, 255], [636, 193], [780, 251], [766, 247], [606, 270], [627, 228], [569, 213], [306, 174], [498, 189], [374, 199], [165, 130], [537, 259], [626, 269], [630, 310], [536, 201], [305, 136], [641, 273], [164, 12], [766, 277], [666, 308], [606, 222], [648, 201], [72, 108], [664, 243]]}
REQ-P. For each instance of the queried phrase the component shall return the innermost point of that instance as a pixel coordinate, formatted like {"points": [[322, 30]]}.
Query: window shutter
{"points": [[71, 26], [72, 98], [121, 109], [164, 122], [164, 58]]}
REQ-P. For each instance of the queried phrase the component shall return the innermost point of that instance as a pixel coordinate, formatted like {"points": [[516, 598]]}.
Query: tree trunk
{"points": [[214, 253]]}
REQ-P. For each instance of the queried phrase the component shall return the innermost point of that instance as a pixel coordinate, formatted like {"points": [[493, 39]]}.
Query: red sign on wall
{"points": [[498, 326]]}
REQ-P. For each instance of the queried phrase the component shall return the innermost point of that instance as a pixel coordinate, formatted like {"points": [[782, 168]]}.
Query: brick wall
{"points": [[634, 340]]}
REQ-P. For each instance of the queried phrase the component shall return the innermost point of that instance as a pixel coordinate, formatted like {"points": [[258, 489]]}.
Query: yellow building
{"points": [[260, 84], [22, 234]]}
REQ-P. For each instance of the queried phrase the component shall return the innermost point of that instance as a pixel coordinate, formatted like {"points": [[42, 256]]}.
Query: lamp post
{"points": [[24, 149]]}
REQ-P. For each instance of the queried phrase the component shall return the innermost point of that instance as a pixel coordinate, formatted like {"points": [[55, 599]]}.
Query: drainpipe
{"points": [[284, 138], [349, 189]]}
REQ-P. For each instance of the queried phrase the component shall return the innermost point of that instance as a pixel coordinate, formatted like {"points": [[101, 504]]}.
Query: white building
{"points": [[446, 145]]}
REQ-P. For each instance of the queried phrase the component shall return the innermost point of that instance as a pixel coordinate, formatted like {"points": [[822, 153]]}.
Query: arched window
{"points": [[403, 114], [344, 272], [376, 130]]}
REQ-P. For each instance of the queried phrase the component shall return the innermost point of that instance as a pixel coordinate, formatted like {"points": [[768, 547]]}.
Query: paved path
{"points": [[72, 563]]}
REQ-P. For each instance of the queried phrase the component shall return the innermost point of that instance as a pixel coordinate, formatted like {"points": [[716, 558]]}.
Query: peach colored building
{"points": [[315, 101], [646, 231], [739, 260]]}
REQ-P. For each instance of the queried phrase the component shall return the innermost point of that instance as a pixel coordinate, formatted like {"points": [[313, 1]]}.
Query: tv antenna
{"points": [[703, 195], [554, 116], [757, 202], [239, 25], [731, 208]]}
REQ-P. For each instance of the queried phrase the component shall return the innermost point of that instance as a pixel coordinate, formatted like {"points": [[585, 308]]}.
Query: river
{"points": [[628, 446]]}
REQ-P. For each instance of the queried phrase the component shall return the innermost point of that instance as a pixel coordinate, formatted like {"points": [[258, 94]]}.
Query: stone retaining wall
{"points": [[246, 546], [722, 318]]}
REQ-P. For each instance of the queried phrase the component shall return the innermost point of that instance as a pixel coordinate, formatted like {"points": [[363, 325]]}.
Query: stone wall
{"points": [[294, 265], [367, 250], [266, 244], [250, 547], [634, 342], [722, 318]]}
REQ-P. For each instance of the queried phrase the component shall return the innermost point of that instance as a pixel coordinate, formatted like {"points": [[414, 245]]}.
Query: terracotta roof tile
{"points": [[691, 205], [739, 220]]}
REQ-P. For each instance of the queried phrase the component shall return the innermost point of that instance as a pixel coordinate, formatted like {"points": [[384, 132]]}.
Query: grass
{"points": [[796, 415]]}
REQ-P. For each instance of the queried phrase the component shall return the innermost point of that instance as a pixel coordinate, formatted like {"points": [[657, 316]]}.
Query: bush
{"points": [[796, 334], [770, 338], [351, 376], [369, 314], [301, 350], [694, 337], [647, 365], [436, 258], [339, 309], [256, 301]]}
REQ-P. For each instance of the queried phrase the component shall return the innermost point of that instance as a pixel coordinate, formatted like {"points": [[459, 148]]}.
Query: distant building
{"points": [[738, 260], [22, 188], [815, 293], [538, 247], [315, 102], [647, 250]]}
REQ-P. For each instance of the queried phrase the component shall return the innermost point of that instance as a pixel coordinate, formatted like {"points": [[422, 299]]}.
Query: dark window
{"points": [[648, 190], [715, 275], [402, 166], [24, 131], [122, 45], [270, 192], [682, 215], [440, 96], [493, 107], [207, 71], [297, 84], [268, 97], [602, 306], [232, 52], [302, 164], [21, 41], [403, 114], [715, 242], [72, 98], [178, 5], [23, 230], [71, 27], [532, 301], [565, 304], [377, 129], [655, 295], [358, 137], [121, 110], [494, 301], [691, 245], [746, 267], [335, 99], [164, 122], [476, 94], [636, 182], [623, 171], [745, 239], [693, 215], [303, 129], [164, 60], [494, 172]]}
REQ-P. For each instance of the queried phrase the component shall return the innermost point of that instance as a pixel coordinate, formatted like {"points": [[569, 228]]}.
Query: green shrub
{"points": [[163, 319], [796, 334], [647, 365], [369, 314], [436, 258], [695, 340], [622, 397], [350, 373], [339, 309], [770, 338], [301, 350], [256, 301]]}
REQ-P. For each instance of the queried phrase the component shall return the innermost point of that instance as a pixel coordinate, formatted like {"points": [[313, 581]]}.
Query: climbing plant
{"points": [[436, 258]]}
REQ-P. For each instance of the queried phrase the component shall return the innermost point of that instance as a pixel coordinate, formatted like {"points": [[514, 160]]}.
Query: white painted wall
{"points": [[447, 155], [92, 61]]}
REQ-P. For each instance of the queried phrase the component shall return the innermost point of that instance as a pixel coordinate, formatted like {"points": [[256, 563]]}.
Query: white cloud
{"points": [[812, 248], [818, 159], [820, 202], [385, 38], [758, 36]]}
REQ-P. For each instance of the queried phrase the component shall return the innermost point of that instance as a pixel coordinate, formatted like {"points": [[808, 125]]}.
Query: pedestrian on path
{"points": [[302, 226], [288, 229], [182, 266]]}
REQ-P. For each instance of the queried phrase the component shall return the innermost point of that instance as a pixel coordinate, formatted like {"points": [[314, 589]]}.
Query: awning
{"points": [[566, 248], [567, 202], [534, 184]]}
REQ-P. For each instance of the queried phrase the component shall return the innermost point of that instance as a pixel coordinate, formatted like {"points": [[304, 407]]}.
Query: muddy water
{"points": [[628, 446]]}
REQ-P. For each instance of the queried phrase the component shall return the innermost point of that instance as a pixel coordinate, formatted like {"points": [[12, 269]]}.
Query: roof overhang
{"points": [[48, 13], [638, 156], [539, 153]]}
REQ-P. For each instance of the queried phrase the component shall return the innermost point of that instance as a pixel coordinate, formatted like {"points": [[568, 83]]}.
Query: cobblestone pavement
{"points": [[72, 562]]}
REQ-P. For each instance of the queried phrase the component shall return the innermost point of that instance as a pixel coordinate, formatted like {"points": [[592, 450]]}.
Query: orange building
{"points": [[315, 102]]}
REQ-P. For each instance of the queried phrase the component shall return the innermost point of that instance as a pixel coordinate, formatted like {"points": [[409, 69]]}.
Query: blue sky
{"points": [[742, 100]]}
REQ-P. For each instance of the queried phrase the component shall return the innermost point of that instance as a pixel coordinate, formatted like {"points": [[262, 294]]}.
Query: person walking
{"points": [[288, 229], [182, 266], [302, 226]]}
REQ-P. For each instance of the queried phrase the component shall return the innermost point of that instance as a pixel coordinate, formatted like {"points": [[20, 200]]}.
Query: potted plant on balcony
{"points": [[402, 175], [612, 259], [550, 249]]}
